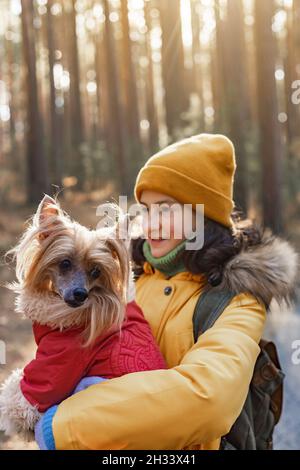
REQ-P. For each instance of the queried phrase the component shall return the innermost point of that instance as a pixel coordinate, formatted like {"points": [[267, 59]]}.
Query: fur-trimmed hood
{"points": [[267, 271]]}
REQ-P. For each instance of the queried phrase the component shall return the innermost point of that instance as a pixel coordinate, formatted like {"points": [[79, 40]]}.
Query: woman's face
{"points": [[161, 227]]}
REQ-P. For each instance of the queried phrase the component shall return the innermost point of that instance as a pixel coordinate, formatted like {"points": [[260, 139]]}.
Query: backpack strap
{"points": [[208, 308], [253, 429]]}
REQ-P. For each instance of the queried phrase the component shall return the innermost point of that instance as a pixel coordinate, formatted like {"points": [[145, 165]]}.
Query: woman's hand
{"points": [[43, 428], [38, 434], [86, 382]]}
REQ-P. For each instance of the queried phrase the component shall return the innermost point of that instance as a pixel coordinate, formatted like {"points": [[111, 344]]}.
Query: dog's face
{"points": [[75, 275], [77, 264], [73, 280], [82, 274]]}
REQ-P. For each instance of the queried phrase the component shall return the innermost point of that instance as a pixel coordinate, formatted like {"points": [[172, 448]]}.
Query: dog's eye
{"points": [[65, 264], [95, 273]]}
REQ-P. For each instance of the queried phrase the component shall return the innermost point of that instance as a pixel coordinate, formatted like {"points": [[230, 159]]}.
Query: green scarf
{"points": [[166, 264]]}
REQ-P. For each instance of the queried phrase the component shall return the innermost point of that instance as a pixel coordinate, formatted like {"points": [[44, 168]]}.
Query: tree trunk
{"points": [[237, 86], [151, 105], [197, 67], [77, 130], [134, 145], [176, 99], [56, 154], [218, 73], [116, 135], [37, 171], [292, 73], [14, 162], [270, 132], [296, 29]]}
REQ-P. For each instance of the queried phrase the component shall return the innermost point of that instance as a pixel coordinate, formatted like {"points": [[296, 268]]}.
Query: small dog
{"points": [[77, 287]]}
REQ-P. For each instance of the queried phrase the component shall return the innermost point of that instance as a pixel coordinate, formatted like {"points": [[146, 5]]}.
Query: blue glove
{"points": [[43, 429], [86, 382], [38, 433]]}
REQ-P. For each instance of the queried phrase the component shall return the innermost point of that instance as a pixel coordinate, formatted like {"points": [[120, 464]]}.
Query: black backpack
{"points": [[253, 429]]}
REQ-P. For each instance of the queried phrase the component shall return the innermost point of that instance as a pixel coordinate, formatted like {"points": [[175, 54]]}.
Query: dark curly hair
{"points": [[220, 245]]}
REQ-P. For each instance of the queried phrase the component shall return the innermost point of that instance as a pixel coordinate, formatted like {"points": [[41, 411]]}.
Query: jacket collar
{"points": [[183, 275], [267, 271]]}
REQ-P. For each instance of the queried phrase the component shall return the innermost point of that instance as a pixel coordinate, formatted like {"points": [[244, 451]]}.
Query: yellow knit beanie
{"points": [[197, 170]]}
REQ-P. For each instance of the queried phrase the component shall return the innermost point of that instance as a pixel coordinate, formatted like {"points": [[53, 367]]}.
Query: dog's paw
{"points": [[17, 415]]}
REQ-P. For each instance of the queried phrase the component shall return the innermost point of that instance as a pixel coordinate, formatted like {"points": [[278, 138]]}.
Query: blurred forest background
{"points": [[90, 89]]}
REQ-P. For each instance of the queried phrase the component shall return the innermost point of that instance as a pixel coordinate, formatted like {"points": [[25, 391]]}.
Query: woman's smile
{"points": [[156, 242]]}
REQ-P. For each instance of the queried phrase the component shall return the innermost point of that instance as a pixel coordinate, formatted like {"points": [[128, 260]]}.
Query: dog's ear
{"points": [[48, 207], [119, 251], [47, 216]]}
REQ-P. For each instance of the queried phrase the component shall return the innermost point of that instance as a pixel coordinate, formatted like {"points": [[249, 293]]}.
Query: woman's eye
{"points": [[145, 209], [164, 209], [65, 264], [95, 273]]}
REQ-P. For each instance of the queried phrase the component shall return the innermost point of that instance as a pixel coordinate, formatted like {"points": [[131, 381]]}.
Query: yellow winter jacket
{"points": [[190, 405]]}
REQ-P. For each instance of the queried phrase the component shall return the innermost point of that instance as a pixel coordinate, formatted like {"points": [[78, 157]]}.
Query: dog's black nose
{"points": [[80, 294]]}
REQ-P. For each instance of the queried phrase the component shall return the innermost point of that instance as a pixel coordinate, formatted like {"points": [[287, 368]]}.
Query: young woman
{"points": [[198, 398]]}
